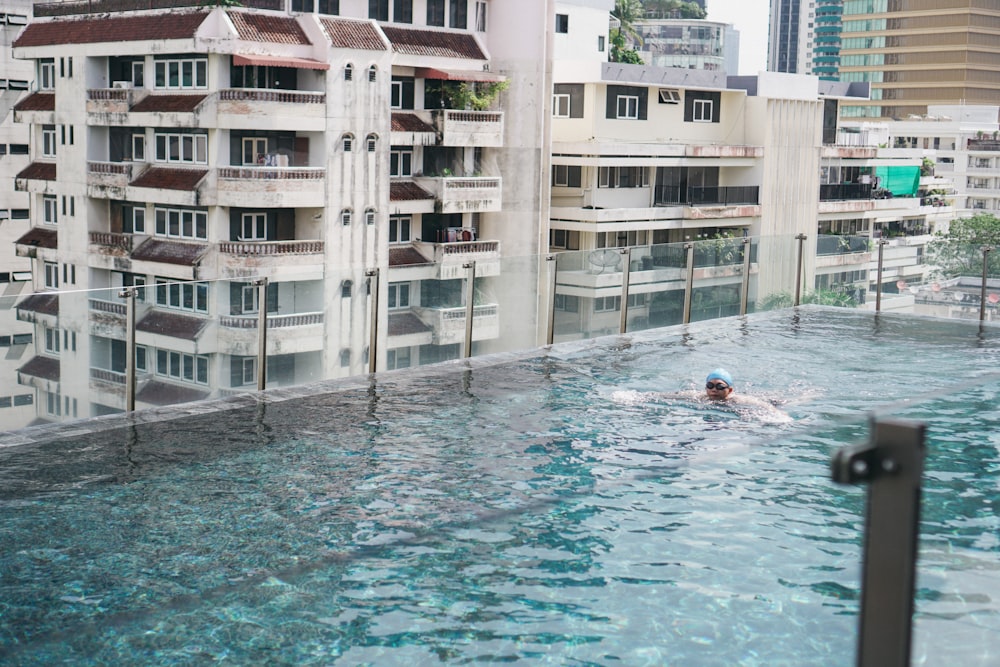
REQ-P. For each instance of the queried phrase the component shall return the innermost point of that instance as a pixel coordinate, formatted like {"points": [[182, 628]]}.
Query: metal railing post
{"points": [[261, 284], [372, 275], [128, 293], [689, 284], [470, 306], [878, 288], [987, 249], [892, 465], [745, 286], [626, 257], [798, 271], [551, 334]]}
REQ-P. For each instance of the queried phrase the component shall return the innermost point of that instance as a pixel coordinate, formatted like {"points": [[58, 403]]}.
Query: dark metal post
{"points": [[745, 287], [470, 306], [261, 333], [551, 333], [982, 292], [689, 285], [798, 271], [878, 288], [128, 293], [892, 464], [626, 272], [372, 275]]}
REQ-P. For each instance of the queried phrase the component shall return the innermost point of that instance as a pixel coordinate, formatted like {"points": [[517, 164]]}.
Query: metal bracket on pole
{"points": [[689, 285], [892, 464], [470, 306], [261, 284], [551, 332], [798, 271], [129, 293], [626, 260], [878, 289], [372, 275], [745, 287], [987, 249]]}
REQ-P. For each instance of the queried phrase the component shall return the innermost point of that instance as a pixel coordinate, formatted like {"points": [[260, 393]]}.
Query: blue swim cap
{"points": [[720, 374]]}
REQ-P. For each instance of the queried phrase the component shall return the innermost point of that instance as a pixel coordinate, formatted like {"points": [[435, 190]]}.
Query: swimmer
{"points": [[719, 387]]}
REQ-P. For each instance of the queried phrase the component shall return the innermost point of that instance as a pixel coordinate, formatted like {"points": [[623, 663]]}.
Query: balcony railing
{"points": [[273, 321], [732, 195], [113, 377], [102, 306], [845, 191], [112, 240], [270, 95], [272, 173], [270, 248]]}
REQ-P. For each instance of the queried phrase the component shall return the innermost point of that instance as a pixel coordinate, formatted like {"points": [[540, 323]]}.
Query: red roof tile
{"points": [[37, 102], [170, 252], [268, 28], [406, 256], [408, 122], [176, 103], [46, 304], [94, 30], [433, 43], [401, 324], [40, 238], [162, 393], [41, 367], [407, 191], [347, 34], [172, 324], [169, 178], [39, 171]]}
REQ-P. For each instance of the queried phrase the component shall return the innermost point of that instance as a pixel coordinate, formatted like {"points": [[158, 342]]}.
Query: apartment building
{"points": [[688, 43], [327, 147], [16, 339]]}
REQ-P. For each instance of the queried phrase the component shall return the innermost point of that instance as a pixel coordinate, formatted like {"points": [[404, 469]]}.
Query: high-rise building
{"points": [[804, 37]]}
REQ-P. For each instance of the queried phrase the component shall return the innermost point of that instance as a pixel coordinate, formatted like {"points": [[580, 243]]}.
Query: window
{"points": [[46, 74], [628, 106], [50, 210], [181, 73], [346, 288], [345, 358], [603, 304], [372, 142], [51, 275], [378, 10], [253, 227], [480, 16], [249, 303], [701, 106], [51, 340], [370, 216], [48, 140], [459, 14], [345, 217], [400, 161], [402, 11], [302, 6], [435, 12], [622, 177], [184, 367], [600, 43], [192, 297], [331, 7], [372, 74], [567, 303], [669, 96], [181, 223], [399, 228], [401, 92], [254, 150], [348, 72], [566, 176], [560, 105], [138, 74], [397, 358], [138, 148], [182, 147], [53, 404], [399, 296], [562, 23], [348, 142], [135, 220], [247, 368]]}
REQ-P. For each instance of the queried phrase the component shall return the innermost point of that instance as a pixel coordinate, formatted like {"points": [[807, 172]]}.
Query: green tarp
{"points": [[900, 181]]}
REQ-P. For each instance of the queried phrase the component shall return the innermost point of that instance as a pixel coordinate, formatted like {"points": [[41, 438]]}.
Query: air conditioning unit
{"points": [[122, 85]]}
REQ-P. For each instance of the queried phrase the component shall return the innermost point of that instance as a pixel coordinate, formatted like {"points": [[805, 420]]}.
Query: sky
{"points": [[750, 17]]}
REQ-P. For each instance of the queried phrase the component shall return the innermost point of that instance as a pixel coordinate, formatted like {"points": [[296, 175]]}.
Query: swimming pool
{"points": [[508, 509]]}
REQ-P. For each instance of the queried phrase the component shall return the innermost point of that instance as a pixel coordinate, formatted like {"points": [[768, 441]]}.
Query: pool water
{"points": [[511, 510]]}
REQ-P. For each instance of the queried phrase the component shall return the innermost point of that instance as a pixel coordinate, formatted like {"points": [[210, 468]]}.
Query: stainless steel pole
{"points": [[982, 290], [878, 288], [798, 271], [128, 293], [551, 334], [689, 285], [626, 257], [261, 333], [373, 286], [470, 306], [745, 287]]}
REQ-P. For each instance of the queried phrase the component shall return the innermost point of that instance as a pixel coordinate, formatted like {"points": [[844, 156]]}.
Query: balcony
{"points": [[110, 106], [845, 191], [108, 180], [107, 318], [469, 128], [256, 108], [464, 195], [279, 260], [983, 145], [450, 258], [270, 187], [448, 324], [732, 195], [286, 334]]}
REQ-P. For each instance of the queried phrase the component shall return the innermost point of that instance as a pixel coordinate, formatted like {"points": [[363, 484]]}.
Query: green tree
{"points": [[959, 252], [818, 297], [622, 37]]}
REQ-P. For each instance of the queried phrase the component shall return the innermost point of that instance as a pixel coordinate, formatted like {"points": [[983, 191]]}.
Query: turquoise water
{"points": [[515, 512]]}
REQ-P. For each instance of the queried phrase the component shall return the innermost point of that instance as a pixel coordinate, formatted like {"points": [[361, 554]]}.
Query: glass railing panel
{"points": [[774, 270], [588, 292], [513, 308]]}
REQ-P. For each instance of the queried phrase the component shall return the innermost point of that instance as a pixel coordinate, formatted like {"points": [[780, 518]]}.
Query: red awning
{"points": [[457, 74], [279, 61]]}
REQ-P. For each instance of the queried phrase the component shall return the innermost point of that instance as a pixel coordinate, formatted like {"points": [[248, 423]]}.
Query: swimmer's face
{"points": [[717, 390]]}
